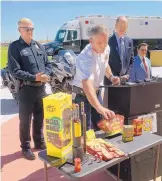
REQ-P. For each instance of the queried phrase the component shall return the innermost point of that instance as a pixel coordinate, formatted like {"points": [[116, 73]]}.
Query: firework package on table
{"points": [[113, 126], [58, 124], [103, 150]]}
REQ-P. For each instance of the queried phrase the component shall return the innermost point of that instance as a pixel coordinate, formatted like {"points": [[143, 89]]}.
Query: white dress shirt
{"points": [[90, 65]]}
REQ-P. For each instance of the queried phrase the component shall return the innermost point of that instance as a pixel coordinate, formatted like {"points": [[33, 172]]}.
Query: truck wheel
{"points": [[4, 83]]}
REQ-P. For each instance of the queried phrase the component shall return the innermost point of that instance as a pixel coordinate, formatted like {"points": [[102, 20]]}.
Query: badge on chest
{"points": [[24, 52]]}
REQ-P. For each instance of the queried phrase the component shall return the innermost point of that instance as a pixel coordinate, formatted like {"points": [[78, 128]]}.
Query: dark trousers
{"points": [[31, 104], [92, 116]]}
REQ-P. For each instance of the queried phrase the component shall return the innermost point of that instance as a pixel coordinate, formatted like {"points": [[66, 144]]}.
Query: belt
{"points": [[80, 91], [34, 84]]}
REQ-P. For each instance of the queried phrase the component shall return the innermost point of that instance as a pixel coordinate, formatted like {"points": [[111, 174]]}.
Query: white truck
{"points": [[74, 34]]}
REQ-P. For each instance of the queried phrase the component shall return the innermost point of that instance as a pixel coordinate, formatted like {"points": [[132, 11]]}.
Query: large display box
{"points": [[58, 124]]}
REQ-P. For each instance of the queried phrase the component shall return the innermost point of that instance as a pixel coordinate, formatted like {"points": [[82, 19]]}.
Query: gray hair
{"points": [[97, 30], [23, 21]]}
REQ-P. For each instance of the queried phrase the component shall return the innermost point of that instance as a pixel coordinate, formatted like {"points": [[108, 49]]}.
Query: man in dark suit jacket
{"points": [[121, 53], [121, 49]]}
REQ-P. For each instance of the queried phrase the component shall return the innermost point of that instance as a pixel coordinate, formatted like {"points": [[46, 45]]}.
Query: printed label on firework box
{"points": [[90, 135], [112, 127], [149, 122], [58, 124]]}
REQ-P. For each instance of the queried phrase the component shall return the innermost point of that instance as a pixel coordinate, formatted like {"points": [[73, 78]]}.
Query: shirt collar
{"points": [[141, 57], [23, 42], [117, 36]]}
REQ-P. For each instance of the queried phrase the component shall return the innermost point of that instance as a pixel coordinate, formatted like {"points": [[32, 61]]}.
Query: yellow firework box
{"points": [[128, 133], [58, 124]]}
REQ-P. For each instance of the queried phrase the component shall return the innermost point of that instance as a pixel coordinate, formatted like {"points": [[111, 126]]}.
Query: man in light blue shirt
{"points": [[91, 67]]}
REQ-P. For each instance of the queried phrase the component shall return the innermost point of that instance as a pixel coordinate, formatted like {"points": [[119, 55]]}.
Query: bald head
{"points": [[25, 27], [121, 18], [121, 25]]}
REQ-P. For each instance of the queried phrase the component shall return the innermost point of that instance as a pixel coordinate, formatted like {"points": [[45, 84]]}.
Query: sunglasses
{"points": [[27, 29]]}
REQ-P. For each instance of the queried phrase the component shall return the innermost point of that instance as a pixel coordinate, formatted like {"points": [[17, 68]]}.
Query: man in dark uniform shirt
{"points": [[28, 62]]}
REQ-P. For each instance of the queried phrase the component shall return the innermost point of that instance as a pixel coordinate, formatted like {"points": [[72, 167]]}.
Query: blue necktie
{"points": [[122, 53]]}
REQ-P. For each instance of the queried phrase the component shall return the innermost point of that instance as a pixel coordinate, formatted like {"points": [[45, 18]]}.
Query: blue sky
{"points": [[48, 16]]}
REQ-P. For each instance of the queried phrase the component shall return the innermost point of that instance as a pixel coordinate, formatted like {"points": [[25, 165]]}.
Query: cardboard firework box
{"points": [[58, 124], [112, 127]]}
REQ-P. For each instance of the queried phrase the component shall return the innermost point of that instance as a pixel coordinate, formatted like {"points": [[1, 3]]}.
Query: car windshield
{"points": [[60, 35]]}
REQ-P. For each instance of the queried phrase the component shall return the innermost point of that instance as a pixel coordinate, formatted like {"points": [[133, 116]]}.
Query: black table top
{"points": [[87, 167], [140, 144], [133, 84]]}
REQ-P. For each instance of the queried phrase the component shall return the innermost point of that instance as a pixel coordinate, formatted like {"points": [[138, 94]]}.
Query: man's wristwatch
{"points": [[110, 78]]}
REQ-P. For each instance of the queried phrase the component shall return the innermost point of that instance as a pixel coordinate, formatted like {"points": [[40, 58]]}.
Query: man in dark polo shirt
{"points": [[28, 62]]}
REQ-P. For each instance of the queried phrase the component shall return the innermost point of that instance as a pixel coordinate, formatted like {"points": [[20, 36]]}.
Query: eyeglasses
{"points": [[27, 29], [143, 50]]}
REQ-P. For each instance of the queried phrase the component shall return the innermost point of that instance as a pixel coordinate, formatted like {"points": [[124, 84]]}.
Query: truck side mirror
{"points": [[73, 44]]}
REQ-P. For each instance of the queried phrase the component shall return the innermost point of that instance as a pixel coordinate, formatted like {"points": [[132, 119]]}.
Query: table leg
{"points": [[156, 162], [118, 178], [115, 177], [45, 172]]}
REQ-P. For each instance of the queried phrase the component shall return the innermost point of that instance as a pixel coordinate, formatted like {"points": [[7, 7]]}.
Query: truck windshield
{"points": [[72, 35], [60, 35]]}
